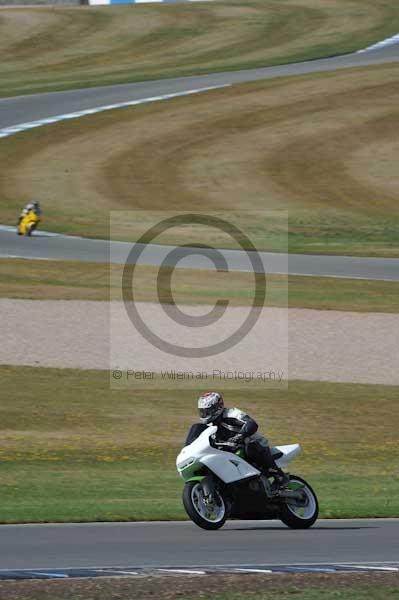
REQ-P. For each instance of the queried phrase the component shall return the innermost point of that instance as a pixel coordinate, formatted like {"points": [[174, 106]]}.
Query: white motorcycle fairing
{"points": [[227, 466], [289, 451]]}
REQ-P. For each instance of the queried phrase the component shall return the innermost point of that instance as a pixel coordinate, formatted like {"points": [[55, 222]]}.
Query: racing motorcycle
{"points": [[28, 223], [221, 484]]}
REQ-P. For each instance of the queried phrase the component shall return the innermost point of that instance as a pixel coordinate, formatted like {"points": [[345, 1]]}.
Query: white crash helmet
{"points": [[210, 406]]}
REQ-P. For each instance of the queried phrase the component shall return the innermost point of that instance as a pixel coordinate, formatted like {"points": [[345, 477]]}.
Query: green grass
{"points": [[89, 489], [373, 592], [60, 48], [74, 450], [299, 592], [313, 586], [350, 593], [50, 280]]}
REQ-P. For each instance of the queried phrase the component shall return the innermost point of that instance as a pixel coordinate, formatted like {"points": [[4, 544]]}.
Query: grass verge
{"points": [[74, 450], [50, 280], [309, 593], [348, 586], [59, 48]]}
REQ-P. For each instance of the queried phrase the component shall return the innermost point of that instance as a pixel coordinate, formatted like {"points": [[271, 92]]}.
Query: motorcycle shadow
{"points": [[284, 528]]}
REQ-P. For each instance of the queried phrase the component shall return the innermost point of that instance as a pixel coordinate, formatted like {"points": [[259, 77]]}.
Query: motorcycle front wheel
{"points": [[300, 514], [205, 515]]}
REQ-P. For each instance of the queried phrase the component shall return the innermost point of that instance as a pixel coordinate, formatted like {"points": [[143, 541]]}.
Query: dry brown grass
{"points": [[60, 47], [324, 147], [284, 586], [49, 280]]}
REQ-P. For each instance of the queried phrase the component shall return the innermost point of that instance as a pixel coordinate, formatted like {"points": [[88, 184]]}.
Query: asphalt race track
{"points": [[182, 544], [62, 247], [23, 109], [38, 106]]}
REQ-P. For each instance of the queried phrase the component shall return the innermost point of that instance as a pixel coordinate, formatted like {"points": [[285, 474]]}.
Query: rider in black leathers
{"points": [[237, 427]]}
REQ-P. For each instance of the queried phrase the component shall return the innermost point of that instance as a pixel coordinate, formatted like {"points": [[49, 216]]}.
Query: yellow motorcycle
{"points": [[28, 223]]}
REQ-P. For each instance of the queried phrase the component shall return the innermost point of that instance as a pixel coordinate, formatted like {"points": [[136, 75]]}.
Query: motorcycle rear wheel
{"points": [[298, 516], [204, 516]]}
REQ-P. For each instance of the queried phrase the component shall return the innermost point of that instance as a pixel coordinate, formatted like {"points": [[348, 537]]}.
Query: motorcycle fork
{"points": [[208, 488]]}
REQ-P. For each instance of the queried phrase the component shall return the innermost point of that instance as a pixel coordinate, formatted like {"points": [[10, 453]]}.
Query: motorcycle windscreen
{"points": [[195, 432]]}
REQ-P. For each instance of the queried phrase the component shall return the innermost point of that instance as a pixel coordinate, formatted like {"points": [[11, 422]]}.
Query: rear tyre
{"points": [[300, 514], [207, 516]]}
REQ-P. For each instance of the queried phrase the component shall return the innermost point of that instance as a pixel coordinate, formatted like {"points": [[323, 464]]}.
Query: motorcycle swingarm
{"points": [[293, 494]]}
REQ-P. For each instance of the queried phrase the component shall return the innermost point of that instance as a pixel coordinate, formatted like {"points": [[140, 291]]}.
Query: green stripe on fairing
{"points": [[240, 452], [196, 478]]}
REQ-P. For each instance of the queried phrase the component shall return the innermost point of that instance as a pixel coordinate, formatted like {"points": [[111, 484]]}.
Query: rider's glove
{"points": [[236, 439]]}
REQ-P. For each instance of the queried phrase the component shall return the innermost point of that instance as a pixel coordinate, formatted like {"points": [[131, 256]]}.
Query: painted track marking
{"points": [[14, 129], [382, 44], [200, 570]]}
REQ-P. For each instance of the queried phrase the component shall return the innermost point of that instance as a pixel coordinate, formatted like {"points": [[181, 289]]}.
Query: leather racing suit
{"points": [[234, 422]]}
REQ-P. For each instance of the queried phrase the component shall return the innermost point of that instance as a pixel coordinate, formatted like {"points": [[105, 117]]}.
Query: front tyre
{"points": [[205, 515], [300, 514]]}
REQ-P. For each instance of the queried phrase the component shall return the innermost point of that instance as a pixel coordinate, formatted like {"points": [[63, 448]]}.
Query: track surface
{"points": [[72, 248], [182, 544], [38, 106], [28, 108]]}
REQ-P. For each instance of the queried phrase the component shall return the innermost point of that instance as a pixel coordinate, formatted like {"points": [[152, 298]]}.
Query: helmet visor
{"points": [[204, 413]]}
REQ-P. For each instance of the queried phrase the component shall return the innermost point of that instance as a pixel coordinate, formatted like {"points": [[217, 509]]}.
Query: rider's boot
{"points": [[281, 479], [273, 470]]}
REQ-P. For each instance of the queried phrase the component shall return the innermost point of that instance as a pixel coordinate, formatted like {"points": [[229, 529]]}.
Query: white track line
{"points": [[387, 42], [7, 131], [370, 568], [27, 257], [182, 571], [49, 574], [125, 572], [253, 570], [11, 229]]}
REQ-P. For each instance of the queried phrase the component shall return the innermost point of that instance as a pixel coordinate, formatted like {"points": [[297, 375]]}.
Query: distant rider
{"points": [[31, 206], [237, 427]]}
